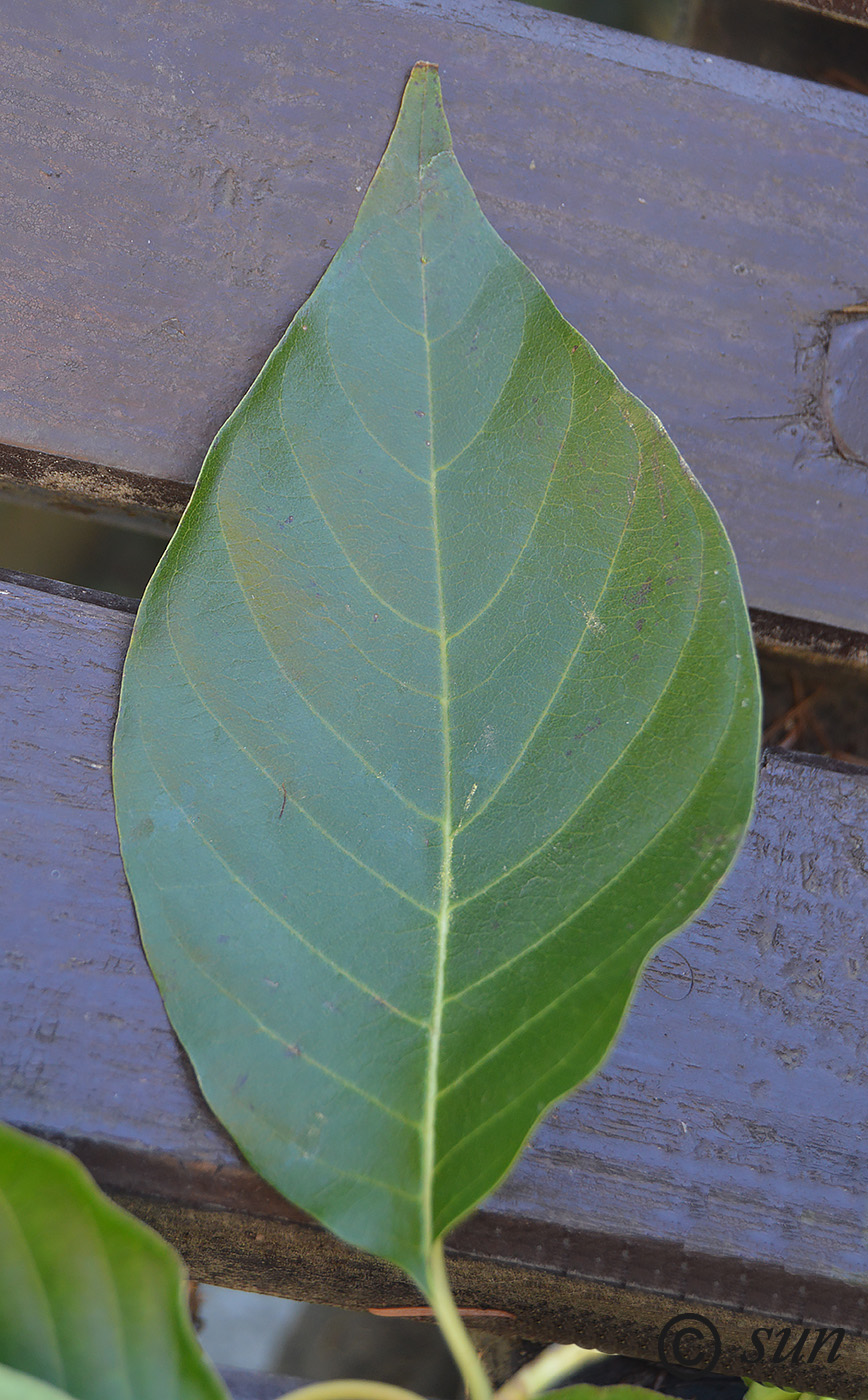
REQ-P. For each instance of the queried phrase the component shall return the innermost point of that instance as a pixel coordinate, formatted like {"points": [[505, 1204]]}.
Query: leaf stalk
{"points": [[455, 1333], [551, 1366]]}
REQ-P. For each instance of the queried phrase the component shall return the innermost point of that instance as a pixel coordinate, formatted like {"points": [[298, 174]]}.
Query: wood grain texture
{"points": [[717, 1163], [177, 179]]}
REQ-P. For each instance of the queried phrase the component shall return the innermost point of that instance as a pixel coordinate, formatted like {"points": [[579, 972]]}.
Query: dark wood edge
{"points": [[237, 1230], [801, 639], [806, 759], [774, 634], [544, 1302], [851, 11], [87, 488], [58, 589]]}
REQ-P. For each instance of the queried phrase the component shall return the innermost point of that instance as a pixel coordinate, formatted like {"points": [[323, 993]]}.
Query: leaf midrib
{"points": [[429, 1117], [595, 972]]}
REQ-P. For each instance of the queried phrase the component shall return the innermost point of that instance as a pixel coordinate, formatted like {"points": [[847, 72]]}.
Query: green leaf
{"points": [[91, 1301], [15, 1385], [439, 713]]}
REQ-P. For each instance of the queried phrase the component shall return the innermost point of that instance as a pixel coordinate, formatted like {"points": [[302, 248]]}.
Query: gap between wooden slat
{"points": [[773, 633]]}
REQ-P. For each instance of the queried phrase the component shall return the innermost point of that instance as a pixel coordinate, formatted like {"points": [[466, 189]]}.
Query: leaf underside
{"points": [[439, 713], [91, 1300]]}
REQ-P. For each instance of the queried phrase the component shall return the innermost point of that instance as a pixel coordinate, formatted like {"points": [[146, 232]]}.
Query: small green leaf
{"points": [[439, 713], [91, 1301], [15, 1385]]}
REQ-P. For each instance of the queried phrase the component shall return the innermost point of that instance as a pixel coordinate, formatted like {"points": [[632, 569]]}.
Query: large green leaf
{"points": [[439, 713], [91, 1301]]}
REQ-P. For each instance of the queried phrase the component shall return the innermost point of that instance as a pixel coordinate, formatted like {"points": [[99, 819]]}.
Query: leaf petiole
{"points": [[455, 1333], [552, 1365], [457, 1339]]}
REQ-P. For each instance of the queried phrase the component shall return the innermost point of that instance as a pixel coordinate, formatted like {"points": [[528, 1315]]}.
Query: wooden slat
{"points": [[717, 1164], [802, 641], [774, 636], [174, 188], [855, 11], [117, 497]]}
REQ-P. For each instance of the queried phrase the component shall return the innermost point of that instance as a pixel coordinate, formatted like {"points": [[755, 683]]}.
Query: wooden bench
{"points": [[177, 180]]}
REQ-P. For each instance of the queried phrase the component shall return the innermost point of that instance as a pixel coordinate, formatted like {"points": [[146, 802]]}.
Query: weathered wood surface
{"points": [[176, 181], [717, 1164]]}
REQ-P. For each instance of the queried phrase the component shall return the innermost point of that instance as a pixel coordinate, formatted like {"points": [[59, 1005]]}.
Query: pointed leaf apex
{"points": [[421, 131]]}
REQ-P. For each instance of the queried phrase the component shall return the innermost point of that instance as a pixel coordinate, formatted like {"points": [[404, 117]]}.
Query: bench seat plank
{"points": [[175, 185], [718, 1163]]}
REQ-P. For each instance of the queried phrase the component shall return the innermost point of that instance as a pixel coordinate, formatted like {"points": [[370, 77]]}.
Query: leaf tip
{"points": [[422, 111]]}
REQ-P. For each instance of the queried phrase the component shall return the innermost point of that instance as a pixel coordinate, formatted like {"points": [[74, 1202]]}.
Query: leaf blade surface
{"points": [[91, 1300], [440, 712], [16, 1385]]}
